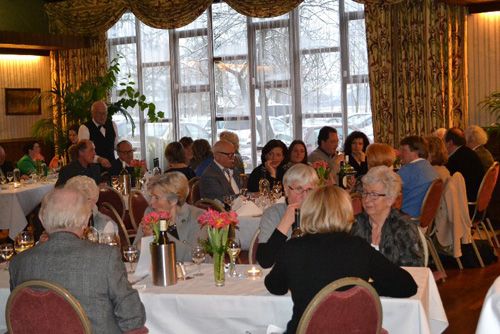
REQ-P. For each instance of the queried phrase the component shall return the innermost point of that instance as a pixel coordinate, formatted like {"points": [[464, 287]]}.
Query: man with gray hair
{"points": [[475, 138], [82, 165], [221, 178], [93, 273]]}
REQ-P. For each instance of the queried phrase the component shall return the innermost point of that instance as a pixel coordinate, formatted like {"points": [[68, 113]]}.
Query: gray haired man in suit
{"points": [[93, 273], [221, 178]]}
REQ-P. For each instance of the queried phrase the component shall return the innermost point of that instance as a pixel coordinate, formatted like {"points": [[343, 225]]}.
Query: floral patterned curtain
{"points": [[416, 51], [263, 8]]}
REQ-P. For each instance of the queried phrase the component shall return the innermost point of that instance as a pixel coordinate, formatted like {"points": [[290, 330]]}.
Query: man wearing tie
{"points": [[102, 132], [221, 178]]}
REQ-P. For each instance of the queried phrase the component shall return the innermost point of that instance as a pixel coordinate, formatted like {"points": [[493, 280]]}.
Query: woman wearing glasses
{"points": [[388, 230], [276, 223]]}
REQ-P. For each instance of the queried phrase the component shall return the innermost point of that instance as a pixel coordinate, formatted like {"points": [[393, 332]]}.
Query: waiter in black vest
{"points": [[102, 132]]}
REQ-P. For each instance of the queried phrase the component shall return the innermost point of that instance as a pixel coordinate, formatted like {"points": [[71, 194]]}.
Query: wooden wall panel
{"points": [[21, 72]]}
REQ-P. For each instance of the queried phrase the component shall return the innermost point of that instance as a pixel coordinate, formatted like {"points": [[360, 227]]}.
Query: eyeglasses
{"points": [[127, 152], [372, 195], [229, 155], [300, 191]]}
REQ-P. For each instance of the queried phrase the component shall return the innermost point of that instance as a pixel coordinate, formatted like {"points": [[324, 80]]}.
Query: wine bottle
{"points": [[156, 166], [297, 232], [125, 181], [342, 173], [163, 239]]}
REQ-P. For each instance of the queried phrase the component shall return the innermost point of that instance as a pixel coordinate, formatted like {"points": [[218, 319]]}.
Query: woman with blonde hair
{"points": [[168, 194], [327, 252]]}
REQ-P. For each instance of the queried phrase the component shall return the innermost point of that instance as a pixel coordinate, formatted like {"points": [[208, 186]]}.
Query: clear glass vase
{"points": [[219, 274]]}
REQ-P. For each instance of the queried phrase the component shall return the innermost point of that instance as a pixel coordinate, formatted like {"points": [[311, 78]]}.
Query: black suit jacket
{"points": [[214, 183], [75, 168], [467, 163]]}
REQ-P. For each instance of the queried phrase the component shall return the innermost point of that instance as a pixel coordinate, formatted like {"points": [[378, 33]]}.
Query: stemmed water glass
{"points": [[277, 188], [24, 241], [199, 256], [3, 179], [10, 176], [233, 249], [130, 254], [244, 195], [115, 181], [228, 201], [110, 239], [7, 250]]}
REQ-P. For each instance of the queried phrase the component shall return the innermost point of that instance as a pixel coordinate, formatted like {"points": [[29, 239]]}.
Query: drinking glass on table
{"points": [[233, 249], [130, 255], [244, 195], [3, 179], [24, 241], [7, 250], [228, 201], [110, 239], [115, 181], [277, 188], [10, 176], [199, 256]]}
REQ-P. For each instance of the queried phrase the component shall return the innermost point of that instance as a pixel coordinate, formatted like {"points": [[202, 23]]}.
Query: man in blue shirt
{"points": [[417, 173]]}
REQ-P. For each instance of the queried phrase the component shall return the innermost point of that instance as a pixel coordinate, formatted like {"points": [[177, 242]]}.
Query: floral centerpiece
{"points": [[218, 224], [322, 170], [40, 166], [150, 224], [139, 166]]}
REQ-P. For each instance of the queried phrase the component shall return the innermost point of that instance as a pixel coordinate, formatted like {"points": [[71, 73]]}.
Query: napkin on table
{"points": [[249, 210], [144, 263]]}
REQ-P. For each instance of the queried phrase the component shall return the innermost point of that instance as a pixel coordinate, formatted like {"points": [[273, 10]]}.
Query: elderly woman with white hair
{"points": [[475, 138], [276, 222], [87, 186], [326, 252], [388, 230], [168, 194]]}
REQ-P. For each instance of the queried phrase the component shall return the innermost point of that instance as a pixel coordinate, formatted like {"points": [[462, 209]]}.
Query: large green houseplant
{"points": [[492, 104], [71, 105]]}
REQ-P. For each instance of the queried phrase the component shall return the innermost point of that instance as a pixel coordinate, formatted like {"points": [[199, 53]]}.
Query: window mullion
{"points": [[295, 73], [211, 75], [251, 86], [140, 87], [344, 62], [174, 77]]}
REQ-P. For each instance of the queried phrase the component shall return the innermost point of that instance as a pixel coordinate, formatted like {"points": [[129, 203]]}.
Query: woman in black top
{"points": [[327, 252], [176, 158], [273, 160], [355, 147]]}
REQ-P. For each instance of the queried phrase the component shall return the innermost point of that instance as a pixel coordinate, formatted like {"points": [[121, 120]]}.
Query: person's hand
{"points": [[270, 168], [288, 218], [104, 162], [350, 183], [360, 156]]}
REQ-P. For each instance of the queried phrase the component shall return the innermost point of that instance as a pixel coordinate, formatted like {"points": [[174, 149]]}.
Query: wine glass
{"points": [[115, 181], [277, 188], [24, 241], [244, 195], [10, 176], [3, 179], [130, 254], [91, 234], [233, 249], [7, 250], [199, 255], [228, 200], [110, 239]]}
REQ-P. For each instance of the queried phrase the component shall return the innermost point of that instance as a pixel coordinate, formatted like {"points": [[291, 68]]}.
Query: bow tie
{"points": [[100, 127]]}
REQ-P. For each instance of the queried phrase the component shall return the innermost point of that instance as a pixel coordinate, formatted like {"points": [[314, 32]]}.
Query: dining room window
{"points": [[282, 77]]}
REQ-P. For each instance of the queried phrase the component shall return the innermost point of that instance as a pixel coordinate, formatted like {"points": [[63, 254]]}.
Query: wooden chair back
{"points": [[112, 196], [194, 190]]}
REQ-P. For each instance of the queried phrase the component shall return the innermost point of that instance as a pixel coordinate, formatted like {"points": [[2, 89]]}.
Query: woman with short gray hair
{"points": [[276, 222], [388, 230]]}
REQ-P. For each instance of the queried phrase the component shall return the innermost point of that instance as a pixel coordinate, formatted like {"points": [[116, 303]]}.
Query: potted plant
{"points": [[71, 105], [492, 104]]}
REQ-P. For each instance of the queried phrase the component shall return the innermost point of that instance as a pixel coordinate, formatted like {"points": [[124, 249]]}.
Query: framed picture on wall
{"points": [[17, 101]]}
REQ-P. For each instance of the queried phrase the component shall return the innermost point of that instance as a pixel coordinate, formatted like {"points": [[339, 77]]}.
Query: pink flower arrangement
{"points": [[150, 223], [322, 170], [138, 163], [218, 229]]}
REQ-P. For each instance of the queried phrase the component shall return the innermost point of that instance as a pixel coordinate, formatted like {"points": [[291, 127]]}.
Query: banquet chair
{"points": [[481, 205], [252, 254], [112, 196], [43, 307], [194, 190], [110, 211], [206, 203], [137, 205], [244, 180], [357, 310], [357, 205], [428, 212]]}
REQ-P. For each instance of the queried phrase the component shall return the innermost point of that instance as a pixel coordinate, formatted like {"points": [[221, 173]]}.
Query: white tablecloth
{"points": [[196, 306], [489, 321], [17, 203]]}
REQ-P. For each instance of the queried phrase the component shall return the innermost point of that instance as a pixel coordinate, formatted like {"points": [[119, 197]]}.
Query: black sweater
{"points": [[308, 264]]}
